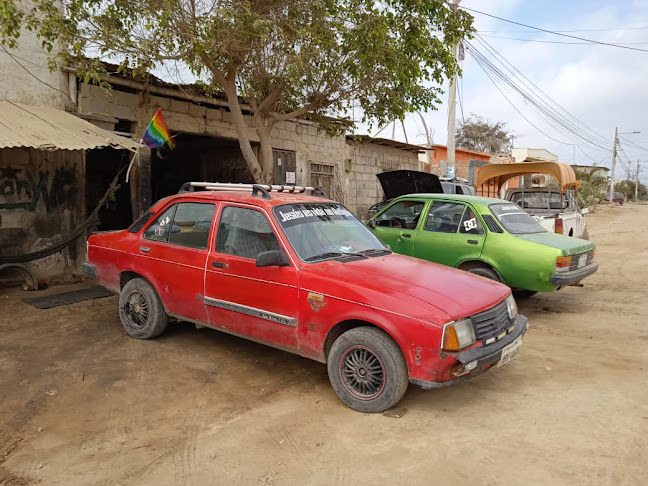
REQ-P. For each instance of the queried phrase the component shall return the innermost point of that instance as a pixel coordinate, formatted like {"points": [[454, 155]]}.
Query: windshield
{"points": [[539, 200], [515, 220], [323, 231]]}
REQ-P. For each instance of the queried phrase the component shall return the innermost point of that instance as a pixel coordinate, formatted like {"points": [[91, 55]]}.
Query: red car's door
{"points": [[257, 302], [173, 251]]}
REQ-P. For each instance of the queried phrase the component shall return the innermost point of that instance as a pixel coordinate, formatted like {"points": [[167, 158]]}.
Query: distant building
{"points": [[434, 160], [532, 155], [602, 171]]}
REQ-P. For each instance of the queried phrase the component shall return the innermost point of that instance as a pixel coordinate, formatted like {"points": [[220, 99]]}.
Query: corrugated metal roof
{"points": [[47, 128]]}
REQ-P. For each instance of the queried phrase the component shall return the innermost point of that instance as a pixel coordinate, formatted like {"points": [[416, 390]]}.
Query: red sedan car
{"points": [[301, 273]]}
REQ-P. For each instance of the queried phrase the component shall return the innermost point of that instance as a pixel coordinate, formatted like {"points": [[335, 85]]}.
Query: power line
{"points": [[515, 107], [555, 119], [30, 73], [558, 42], [554, 32], [460, 92], [634, 145], [572, 30], [585, 132]]}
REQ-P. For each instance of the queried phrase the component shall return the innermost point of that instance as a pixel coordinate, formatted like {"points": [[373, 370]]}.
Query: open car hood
{"points": [[400, 182]]}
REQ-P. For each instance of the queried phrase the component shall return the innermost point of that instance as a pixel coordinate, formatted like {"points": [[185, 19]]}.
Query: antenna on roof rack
{"points": [[258, 190]]}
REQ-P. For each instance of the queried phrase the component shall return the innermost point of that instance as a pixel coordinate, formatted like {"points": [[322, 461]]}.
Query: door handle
{"points": [[472, 242], [406, 235], [145, 249], [219, 265]]}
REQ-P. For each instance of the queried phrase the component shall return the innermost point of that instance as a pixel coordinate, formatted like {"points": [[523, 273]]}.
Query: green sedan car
{"points": [[489, 237]]}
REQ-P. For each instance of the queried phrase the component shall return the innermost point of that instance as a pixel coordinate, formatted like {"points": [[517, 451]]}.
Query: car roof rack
{"points": [[258, 190]]}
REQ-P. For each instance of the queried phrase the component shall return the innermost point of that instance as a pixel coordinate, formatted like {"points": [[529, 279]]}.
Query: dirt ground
{"points": [[82, 403]]}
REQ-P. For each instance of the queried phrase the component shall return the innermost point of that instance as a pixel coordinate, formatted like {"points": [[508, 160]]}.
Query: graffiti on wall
{"points": [[21, 189]]}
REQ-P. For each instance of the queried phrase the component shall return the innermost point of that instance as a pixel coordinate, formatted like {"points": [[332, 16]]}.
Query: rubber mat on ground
{"points": [[66, 298]]}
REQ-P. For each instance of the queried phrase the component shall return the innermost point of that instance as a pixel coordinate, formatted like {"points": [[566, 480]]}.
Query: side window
{"points": [[191, 225], [162, 226], [444, 217], [470, 224], [245, 232], [403, 214]]}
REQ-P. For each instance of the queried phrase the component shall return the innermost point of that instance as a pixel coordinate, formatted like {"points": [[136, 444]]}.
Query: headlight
{"points": [[511, 306], [458, 335]]}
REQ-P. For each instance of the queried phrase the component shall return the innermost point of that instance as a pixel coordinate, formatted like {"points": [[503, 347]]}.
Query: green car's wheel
{"points": [[486, 272], [523, 293]]}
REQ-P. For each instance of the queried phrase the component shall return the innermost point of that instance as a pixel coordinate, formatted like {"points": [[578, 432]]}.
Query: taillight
{"points": [[563, 263], [559, 226]]}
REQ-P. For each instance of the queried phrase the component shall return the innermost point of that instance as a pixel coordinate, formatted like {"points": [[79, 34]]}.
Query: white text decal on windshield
{"points": [[307, 213]]}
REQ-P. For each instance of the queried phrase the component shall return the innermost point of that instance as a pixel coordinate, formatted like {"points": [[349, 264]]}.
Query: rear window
{"points": [[515, 220]]}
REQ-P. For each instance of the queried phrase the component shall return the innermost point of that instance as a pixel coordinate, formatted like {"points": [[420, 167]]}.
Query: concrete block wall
{"points": [[365, 160], [358, 188], [44, 88]]}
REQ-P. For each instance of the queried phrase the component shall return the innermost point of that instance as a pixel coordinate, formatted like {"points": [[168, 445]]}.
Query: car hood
{"points": [[567, 244], [400, 182], [406, 286]]}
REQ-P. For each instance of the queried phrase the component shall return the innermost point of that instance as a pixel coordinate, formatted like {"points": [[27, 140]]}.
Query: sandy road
{"points": [[82, 403]]}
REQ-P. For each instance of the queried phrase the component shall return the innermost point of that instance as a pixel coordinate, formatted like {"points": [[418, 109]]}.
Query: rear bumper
{"points": [[486, 356], [89, 270], [575, 276]]}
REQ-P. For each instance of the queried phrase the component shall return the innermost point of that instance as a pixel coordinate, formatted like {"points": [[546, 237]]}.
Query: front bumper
{"points": [[575, 276], [485, 356]]}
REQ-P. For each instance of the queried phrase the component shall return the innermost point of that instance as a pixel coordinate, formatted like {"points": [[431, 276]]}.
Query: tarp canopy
{"points": [[497, 174], [47, 128]]}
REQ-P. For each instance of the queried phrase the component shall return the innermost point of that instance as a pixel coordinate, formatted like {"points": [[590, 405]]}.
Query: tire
{"points": [[486, 272], [140, 310], [523, 293], [585, 235], [367, 391]]}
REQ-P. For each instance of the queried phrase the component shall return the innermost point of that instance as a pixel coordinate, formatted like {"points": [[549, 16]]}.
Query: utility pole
{"points": [[637, 182], [452, 104], [614, 155]]}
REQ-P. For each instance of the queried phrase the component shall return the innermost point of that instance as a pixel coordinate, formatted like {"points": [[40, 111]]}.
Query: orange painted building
{"points": [[431, 160]]}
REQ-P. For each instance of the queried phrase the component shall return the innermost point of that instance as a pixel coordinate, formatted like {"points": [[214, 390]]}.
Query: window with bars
{"points": [[321, 175]]}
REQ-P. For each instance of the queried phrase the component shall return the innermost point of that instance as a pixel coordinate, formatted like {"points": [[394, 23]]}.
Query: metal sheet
{"points": [[47, 128]]}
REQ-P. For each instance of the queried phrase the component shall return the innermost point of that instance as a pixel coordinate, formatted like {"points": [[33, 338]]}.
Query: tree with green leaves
{"points": [[627, 188], [476, 133], [276, 59]]}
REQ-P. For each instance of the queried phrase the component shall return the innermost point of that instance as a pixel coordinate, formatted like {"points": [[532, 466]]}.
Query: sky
{"points": [[603, 87]]}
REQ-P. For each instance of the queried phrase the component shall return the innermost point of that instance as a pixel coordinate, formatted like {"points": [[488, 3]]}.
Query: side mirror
{"points": [[585, 211], [371, 223], [272, 258]]}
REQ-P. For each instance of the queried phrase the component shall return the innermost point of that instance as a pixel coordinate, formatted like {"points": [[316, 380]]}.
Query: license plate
{"points": [[510, 351], [582, 260]]}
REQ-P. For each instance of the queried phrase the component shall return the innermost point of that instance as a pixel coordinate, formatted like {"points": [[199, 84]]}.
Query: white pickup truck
{"points": [[557, 211]]}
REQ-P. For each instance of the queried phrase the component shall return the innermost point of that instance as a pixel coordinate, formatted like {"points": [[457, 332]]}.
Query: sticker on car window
{"points": [[470, 224]]}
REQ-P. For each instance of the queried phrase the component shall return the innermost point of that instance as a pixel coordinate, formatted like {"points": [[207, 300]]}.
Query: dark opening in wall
{"points": [[196, 158], [101, 167]]}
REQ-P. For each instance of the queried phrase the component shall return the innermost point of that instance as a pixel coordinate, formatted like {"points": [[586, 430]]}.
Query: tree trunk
{"points": [[257, 170], [266, 160]]}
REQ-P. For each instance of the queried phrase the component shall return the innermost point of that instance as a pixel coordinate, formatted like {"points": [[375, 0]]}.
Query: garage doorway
{"points": [[197, 158]]}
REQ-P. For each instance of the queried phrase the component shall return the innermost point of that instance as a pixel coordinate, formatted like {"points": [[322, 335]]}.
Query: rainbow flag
{"points": [[157, 133]]}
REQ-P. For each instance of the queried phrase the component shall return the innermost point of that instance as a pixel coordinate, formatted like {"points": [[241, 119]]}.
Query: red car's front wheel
{"points": [[367, 370]]}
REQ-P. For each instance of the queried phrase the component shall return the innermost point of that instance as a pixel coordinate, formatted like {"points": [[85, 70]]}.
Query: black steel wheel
{"points": [[523, 293], [367, 370], [140, 310]]}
